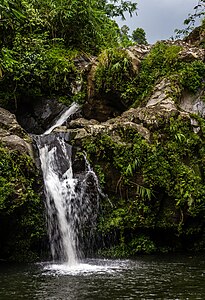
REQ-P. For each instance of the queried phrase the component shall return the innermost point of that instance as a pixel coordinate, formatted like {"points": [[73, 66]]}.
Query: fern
{"points": [[132, 167]]}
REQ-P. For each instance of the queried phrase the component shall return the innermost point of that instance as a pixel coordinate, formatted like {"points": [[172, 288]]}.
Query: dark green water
{"points": [[150, 277]]}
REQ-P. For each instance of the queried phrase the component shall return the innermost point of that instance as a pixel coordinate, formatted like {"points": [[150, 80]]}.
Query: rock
{"points": [[102, 109], [192, 54], [149, 116], [161, 96], [193, 103], [105, 106], [188, 52], [196, 37], [14, 142], [138, 51], [37, 116], [82, 128], [12, 134], [9, 124], [81, 122], [83, 61]]}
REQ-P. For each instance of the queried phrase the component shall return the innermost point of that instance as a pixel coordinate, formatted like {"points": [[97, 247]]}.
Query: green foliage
{"points": [[113, 72], [114, 9], [34, 68], [155, 186], [61, 20], [125, 40], [21, 209], [163, 61], [192, 75], [38, 43], [139, 36], [190, 21], [160, 62], [139, 245]]}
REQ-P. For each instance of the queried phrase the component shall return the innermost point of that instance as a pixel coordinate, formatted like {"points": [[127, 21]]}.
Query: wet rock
{"points": [[37, 116]]}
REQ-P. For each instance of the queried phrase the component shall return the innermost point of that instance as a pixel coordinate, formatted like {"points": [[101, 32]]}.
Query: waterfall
{"points": [[71, 200], [70, 111]]}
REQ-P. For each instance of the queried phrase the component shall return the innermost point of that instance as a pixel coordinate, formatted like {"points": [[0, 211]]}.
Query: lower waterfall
{"points": [[71, 200]]}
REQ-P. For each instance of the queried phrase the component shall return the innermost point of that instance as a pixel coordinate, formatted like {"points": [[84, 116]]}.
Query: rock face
{"points": [[82, 128], [21, 207], [193, 103], [102, 107], [149, 159], [197, 36], [162, 97], [37, 116], [12, 134]]}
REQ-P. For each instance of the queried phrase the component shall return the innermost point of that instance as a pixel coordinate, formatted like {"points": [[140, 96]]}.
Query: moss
{"points": [[155, 187], [115, 75], [22, 221]]}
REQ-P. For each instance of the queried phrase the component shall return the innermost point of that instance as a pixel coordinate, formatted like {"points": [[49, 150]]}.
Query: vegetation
{"points": [[22, 224], [38, 42], [156, 188], [139, 36], [190, 21], [115, 73]]}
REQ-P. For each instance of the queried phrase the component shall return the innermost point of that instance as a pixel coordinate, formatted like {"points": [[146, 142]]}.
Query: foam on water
{"points": [[102, 267]]}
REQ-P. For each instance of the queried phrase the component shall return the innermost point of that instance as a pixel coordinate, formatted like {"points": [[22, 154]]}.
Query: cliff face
{"points": [[22, 225], [143, 131], [142, 127]]}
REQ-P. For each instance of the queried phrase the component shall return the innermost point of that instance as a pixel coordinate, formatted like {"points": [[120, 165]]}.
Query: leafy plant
{"points": [[21, 208]]}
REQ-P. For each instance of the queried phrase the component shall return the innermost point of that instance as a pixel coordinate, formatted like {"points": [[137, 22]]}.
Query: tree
{"points": [[114, 9], [125, 38], [199, 13], [139, 36], [40, 38]]}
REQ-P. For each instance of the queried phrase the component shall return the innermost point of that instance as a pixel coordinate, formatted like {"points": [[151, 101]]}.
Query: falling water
{"points": [[71, 200], [70, 111]]}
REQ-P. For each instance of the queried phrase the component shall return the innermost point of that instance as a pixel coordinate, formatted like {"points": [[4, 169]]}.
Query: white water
{"points": [[69, 201], [60, 190], [72, 110], [87, 267]]}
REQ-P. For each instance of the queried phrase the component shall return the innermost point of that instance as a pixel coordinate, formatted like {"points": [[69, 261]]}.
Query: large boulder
{"points": [[103, 106], [12, 135]]}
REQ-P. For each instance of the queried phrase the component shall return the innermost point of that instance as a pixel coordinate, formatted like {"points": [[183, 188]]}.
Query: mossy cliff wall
{"points": [[22, 222], [146, 143], [142, 127]]}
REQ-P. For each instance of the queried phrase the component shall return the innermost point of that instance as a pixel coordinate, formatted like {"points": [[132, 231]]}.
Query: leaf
{"points": [[18, 14], [129, 170]]}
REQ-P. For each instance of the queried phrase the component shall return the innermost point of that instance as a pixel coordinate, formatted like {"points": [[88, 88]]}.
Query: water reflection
{"points": [[150, 277]]}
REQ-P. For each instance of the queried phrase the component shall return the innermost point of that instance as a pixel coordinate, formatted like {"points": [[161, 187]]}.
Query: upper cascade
{"points": [[70, 111]]}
